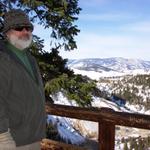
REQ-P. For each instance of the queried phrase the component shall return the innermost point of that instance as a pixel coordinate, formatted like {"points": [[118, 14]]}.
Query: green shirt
{"points": [[22, 55]]}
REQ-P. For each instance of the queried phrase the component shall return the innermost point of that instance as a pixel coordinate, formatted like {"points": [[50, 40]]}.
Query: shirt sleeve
{"points": [[4, 87], [7, 142]]}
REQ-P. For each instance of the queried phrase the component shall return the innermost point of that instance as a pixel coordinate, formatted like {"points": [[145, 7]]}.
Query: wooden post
{"points": [[106, 135]]}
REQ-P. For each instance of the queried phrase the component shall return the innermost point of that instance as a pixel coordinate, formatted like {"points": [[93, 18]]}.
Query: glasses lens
{"points": [[21, 28]]}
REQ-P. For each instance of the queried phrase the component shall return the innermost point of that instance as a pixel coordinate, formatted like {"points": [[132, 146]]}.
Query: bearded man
{"points": [[22, 100]]}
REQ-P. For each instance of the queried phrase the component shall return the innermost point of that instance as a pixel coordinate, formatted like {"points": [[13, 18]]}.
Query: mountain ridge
{"points": [[118, 64]]}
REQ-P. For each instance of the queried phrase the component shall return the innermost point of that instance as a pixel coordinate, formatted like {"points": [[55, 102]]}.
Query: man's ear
{"points": [[7, 34]]}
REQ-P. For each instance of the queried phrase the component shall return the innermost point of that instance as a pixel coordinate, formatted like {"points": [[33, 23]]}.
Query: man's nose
{"points": [[25, 30]]}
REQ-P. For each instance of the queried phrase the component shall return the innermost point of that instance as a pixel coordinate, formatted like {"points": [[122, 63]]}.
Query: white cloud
{"points": [[97, 45], [106, 17], [143, 27], [92, 46], [113, 40]]}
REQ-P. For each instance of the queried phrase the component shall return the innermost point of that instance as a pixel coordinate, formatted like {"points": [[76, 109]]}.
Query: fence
{"points": [[106, 118]]}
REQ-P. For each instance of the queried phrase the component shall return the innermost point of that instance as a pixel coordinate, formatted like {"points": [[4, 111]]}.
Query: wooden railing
{"points": [[106, 118]]}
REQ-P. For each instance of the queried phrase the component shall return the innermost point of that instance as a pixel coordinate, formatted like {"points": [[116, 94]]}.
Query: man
{"points": [[22, 108]]}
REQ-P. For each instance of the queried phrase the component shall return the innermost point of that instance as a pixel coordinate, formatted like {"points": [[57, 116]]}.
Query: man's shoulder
{"points": [[4, 55], [2, 45]]}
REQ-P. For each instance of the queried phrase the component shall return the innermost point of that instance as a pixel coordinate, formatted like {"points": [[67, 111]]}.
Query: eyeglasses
{"points": [[23, 27]]}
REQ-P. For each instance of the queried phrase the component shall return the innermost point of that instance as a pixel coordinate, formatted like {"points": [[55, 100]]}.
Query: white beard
{"points": [[20, 43]]}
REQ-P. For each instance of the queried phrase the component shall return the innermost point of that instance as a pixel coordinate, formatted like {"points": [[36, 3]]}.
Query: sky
{"points": [[111, 28]]}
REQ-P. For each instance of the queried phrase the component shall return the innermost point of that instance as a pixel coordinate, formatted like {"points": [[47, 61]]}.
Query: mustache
{"points": [[25, 37]]}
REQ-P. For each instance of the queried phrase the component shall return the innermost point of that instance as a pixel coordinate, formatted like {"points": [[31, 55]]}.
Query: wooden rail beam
{"points": [[100, 114]]}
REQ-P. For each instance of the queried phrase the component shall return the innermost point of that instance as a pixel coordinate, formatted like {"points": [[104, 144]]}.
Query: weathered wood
{"points": [[101, 114], [106, 136], [48, 144], [107, 119]]}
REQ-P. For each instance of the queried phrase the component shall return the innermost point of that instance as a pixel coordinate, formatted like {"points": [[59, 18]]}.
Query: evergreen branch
{"points": [[3, 5]]}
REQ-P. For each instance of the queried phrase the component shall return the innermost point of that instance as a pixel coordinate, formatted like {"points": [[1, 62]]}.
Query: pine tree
{"points": [[52, 132], [132, 143], [125, 146], [60, 17], [141, 143]]}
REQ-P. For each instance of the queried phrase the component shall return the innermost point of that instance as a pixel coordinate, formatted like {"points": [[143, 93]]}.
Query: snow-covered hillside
{"points": [[77, 131], [116, 69], [110, 64], [108, 67], [85, 127]]}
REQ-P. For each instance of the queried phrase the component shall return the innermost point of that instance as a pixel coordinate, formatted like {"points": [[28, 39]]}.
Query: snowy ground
{"points": [[69, 128], [96, 75]]}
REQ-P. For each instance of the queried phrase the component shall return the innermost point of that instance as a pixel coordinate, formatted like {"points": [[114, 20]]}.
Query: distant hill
{"points": [[127, 78], [117, 64]]}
